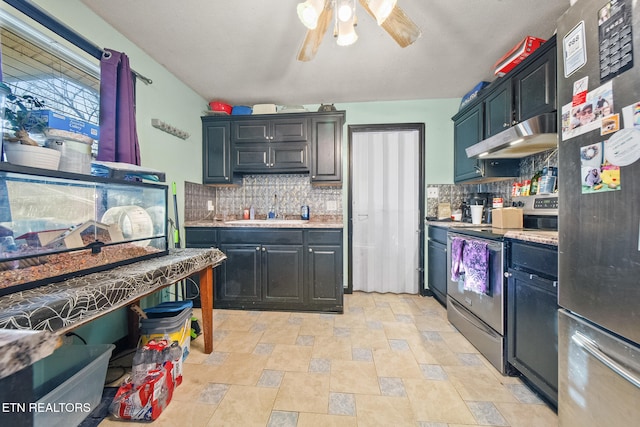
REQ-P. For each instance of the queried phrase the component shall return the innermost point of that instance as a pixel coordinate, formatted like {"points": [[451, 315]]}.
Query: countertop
{"points": [[545, 237], [32, 321], [263, 223]]}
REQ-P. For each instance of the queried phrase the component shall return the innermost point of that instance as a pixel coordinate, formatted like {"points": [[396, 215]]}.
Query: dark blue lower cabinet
{"points": [[278, 269]]}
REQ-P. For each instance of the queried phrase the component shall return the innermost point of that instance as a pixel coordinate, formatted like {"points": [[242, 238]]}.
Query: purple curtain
{"points": [[118, 136]]}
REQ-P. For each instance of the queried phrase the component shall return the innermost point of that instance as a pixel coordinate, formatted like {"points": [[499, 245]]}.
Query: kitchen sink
{"points": [[275, 222]]}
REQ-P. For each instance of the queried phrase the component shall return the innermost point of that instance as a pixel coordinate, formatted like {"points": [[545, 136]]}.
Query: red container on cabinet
{"points": [[517, 54]]}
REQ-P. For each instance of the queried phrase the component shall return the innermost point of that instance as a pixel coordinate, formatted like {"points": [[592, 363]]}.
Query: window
{"points": [[36, 65]]}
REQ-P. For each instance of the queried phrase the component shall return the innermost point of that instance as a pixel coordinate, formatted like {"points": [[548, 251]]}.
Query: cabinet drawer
{"points": [[536, 259], [260, 237], [198, 236], [324, 237], [438, 234]]}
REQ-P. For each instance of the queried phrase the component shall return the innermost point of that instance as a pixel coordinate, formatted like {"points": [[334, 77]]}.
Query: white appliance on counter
{"points": [[599, 221]]}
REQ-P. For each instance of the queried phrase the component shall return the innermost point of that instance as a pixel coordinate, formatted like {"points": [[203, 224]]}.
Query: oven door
{"points": [[488, 307]]}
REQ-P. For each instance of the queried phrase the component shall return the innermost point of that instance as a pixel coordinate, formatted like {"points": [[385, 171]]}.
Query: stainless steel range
{"points": [[477, 308]]}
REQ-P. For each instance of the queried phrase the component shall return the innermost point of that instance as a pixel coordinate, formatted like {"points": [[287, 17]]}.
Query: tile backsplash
{"points": [[292, 191], [455, 194], [295, 190]]}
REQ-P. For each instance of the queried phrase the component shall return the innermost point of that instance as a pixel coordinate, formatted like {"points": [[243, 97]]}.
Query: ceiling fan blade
{"points": [[314, 37], [398, 25]]}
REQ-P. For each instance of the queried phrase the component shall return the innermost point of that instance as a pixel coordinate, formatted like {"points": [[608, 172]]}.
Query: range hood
{"points": [[531, 136]]}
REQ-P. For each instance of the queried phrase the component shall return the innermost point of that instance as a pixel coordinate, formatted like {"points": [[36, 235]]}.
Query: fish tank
{"points": [[56, 225]]}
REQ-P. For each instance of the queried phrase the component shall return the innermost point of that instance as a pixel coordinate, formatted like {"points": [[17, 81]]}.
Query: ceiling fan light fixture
{"points": [[309, 11], [346, 34], [346, 10], [381, 9]]}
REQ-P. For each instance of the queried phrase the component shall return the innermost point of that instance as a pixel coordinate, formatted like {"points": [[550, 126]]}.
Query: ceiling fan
{"points": [[317, 15]]}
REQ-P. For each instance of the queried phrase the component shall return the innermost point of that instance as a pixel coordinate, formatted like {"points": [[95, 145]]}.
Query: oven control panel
{"points": [[537, 205], [545, 203]]}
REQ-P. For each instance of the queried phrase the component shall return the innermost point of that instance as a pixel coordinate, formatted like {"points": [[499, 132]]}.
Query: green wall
{"points": [[435, 114], [173, 102]]}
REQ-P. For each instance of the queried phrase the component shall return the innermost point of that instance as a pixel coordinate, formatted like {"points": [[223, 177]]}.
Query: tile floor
{"points": [[389, 360]]}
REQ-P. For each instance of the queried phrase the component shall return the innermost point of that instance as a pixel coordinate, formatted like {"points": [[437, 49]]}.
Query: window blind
{"points": [[33, 68]]}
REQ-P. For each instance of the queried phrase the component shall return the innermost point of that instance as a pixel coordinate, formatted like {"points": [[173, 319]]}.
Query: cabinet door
{"points": [[498, 110], [282, 273], [324, 272], [216, 152], [326, 149], [239, 276], [289, 130], [467, 131], [251, 131], [289, 157], [532, 324], [251, 157], [437, 268], [535, 87]]}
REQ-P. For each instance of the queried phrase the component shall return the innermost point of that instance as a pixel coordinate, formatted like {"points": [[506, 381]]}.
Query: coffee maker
{"points": [[483, 199]]}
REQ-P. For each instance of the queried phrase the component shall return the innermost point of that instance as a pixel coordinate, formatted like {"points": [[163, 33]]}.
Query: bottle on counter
{"points": [[535, 183], [252, 212], [272, 210]]}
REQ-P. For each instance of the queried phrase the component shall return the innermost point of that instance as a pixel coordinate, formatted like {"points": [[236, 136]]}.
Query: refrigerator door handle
{"points": [[592, 348]]}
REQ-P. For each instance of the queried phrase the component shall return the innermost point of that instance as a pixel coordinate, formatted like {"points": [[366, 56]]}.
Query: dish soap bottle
{"points": [[272, 210]]}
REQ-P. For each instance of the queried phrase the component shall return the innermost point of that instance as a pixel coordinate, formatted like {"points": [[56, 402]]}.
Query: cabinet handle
{"points": [[555, 283], [505, 125], [310, 250], [507, 274], [532, 276], [257, 248], [226, 178], [264, 249], [313, 177]]}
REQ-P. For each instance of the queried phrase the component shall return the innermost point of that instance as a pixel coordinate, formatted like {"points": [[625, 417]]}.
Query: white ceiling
{"points": [[244, 51]]}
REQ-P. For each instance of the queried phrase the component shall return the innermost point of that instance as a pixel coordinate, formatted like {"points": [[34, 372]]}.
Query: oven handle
{"points": [[461, 311], [592, 348]]}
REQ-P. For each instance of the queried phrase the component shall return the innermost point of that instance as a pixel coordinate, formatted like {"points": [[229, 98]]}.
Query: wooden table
{"points": [[58, 308]]}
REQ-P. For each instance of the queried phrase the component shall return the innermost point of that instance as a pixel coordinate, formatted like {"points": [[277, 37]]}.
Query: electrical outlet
{"points": [[332, 205], [210, 206], [432, 192]]}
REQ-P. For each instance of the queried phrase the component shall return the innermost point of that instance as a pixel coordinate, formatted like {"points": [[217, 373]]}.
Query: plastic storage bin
{"points": [[68, 384], [168, 321]]}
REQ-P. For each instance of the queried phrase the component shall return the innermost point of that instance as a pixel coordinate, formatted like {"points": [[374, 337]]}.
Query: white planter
{"points": [[31, 155]]}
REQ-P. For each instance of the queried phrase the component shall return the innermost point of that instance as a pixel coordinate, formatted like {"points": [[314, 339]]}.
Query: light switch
{"points": [[432, 192], [210, 206], [332, 205]]}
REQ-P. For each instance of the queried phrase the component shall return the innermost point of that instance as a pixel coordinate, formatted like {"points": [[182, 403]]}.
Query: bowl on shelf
{"points": [[33, 156]]}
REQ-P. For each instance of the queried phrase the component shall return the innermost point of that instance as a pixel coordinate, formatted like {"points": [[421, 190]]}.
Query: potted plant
{"points": [[20, 148]]}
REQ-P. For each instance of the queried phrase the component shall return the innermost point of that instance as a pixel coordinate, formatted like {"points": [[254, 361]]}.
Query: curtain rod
{"points": [[42, 17]]}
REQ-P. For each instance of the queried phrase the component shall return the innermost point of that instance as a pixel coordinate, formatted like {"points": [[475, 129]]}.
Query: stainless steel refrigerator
{"points": [[599, 214]]}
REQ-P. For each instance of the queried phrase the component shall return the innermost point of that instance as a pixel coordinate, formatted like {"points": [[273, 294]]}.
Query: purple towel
{"points": [[457, 244], [475, 262]]}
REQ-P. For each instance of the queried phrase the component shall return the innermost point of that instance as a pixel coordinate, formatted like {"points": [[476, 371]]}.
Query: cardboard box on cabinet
{"points": [[506, 218]]}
